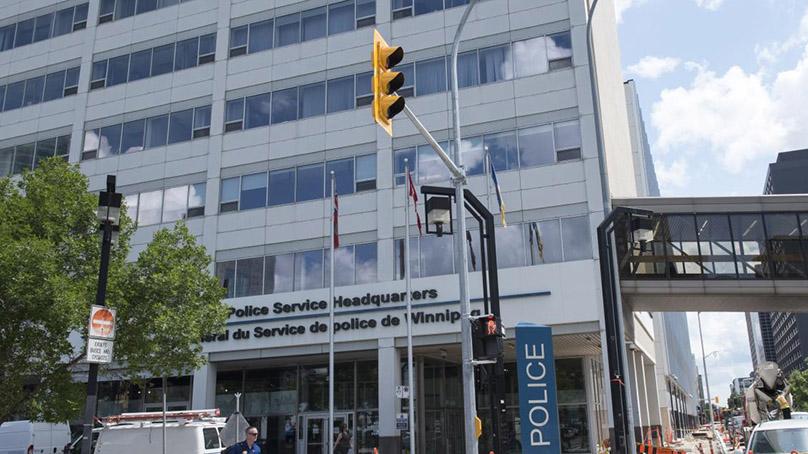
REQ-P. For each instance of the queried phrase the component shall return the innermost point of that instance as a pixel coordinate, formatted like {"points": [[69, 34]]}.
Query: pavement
{"points": [[693, 444]]}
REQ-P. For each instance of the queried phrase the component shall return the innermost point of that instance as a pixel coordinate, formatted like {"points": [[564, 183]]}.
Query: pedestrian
{"points": [[343, 443], [249, 445]]}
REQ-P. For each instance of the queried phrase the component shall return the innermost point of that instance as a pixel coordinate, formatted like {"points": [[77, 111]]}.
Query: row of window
{"points": [[534, 243], [15, 160], [136, 135], [39, 89], [302, 26], [523, 148], [152, 62], [529, 57], [353, 264], [297, 184], [166, 205], [110, 10], [43, 27], [406, 8]]}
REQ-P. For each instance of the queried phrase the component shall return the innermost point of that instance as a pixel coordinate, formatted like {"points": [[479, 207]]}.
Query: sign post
{"points": [[100, 335], [538, 403]]}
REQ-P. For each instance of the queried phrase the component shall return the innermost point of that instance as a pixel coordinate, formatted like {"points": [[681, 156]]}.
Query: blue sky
{"points": [[723, 86]]}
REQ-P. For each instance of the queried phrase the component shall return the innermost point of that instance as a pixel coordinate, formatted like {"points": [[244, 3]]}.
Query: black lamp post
{"points": [[109, 215], [439, 219]]}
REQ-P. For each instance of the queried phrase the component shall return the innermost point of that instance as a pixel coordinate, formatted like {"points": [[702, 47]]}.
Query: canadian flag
{"points": [[414, 196]]}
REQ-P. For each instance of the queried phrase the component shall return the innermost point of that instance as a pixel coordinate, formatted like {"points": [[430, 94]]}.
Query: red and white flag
{"points": [[414, 196], [336, 221]]}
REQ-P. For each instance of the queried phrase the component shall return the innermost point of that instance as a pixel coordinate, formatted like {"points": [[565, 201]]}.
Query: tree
{"points": [[799, 389], [735, 401], [166, 299]]}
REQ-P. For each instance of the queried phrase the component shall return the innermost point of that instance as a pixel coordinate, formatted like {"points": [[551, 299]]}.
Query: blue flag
{"points": [[499, 193]]}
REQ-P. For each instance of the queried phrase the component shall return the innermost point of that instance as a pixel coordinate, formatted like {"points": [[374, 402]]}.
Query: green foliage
{"points": [[799, 389], [735, 401], [166, 299]]}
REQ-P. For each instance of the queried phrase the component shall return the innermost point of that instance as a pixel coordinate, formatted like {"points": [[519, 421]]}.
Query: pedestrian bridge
{"points": [[712, 254]]}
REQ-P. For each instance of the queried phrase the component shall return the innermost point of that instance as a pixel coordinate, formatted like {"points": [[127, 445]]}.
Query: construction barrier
{"points": [[649, 448]]}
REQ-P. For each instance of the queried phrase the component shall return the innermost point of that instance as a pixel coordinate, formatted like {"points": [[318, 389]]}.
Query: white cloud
{"points": [[651, 67], [769, 53], [620, 6], [712, 5], [673, 175]]}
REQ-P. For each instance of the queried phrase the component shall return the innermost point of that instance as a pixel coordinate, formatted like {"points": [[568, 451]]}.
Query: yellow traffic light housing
{"points": [[386, 104]]}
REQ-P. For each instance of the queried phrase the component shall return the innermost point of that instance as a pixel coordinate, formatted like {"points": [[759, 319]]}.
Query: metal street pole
{"points": [[100, 299], [469, 396], [706, 379], [408, 283]]}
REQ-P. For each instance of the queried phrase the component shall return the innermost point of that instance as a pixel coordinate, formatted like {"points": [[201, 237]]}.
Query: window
{"points": [[253, 191], [25, 33], [284, 105], [287, 29], [80, 17], [366, 263], [99, 75], [313, 24], [495, 64], [510, 246], [402, 8], [207, 48], [577, 238], [117, 70], [559, 50], [14, 95], [63, 147], [187, 54], [399, 165], [149, 208], [309, 270], [365, 13], [427, 6], [249, 277], [257, 110], [312, 100], [33, 91], [226, 271], [124, 8], [6, 160], [90, 144], [196, 200], [281, 186], [260, 36], [366, 172], [467, 69], [140, 67], [144, 6], [530, 57], [211, 437], [430, 76], [364, 89], [175, 203], [44, 150], [43, 27], [473, 155], [437, 257], [23, 158], [310, 182], [228, 198], [131, 206], [238, 40], [234, 115], [343, 266], [340, 94], [343, 176], [408, 89], [133, 136], [536, 146], [279, 273], [180, 126], [106, 11], [156, 131], [568, 140], [430, 167], [162, 60], [201, 122], [7, 36], [54, 86], [502, 150], [340, 17], [399, 252], [63, 22], [109, 141]]}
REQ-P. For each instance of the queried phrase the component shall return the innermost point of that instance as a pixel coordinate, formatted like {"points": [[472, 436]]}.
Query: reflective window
{"points": [[63, 23], [310, 182], [156, 131], [196, 199], [54, 86], [234, 114], [25, 33], [495, 64], [257, 110], [364, 90], [430, 167], [131, 206], [312, 100], [284, 105], [467, 69], [124, 8], [133, 136], [44, 150], [309, 270], [238, 39], [430, 76], [577, 238], [149, 208], [399, 165], [38, 89], [42, 29], [110, 141], [7, 36], [366, 263], [180, 126], [343, 266], [249, 277], [559, 50], [427, 6], [715, 246], [568, 140], [33, 91], [14, 93], [117, 70], [437, 257], [187, 54], [226, 272], [536, 146], [229, 193], [6, 160], [510, 246], [287, 29], [253, 191], [313, 23], [202, 121], [175, 203], [343, 176], [162, 60], [260, 36], [502, 150], [340, 17], [366, 172], [281, 186], [23, 158], [530, 57], [340, 94], [207, 48], [140, 65], [783, 246], [279, 273]]}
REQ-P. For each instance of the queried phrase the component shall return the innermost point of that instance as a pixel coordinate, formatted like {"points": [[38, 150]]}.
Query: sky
{"points": [[723, 86]]}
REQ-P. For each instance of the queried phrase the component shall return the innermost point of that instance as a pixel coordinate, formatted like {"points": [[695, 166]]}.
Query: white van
{"points": [[27, 437], [191, 432]]}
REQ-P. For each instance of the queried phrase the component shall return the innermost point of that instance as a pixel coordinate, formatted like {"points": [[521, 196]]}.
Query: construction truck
{"points": [[768, 398]]}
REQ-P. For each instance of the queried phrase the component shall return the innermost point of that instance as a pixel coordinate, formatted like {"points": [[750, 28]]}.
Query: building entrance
{"points": [[312, 439]]}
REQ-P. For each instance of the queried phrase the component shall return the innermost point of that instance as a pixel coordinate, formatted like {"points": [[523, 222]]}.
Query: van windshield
{"points": [[780, 441]]}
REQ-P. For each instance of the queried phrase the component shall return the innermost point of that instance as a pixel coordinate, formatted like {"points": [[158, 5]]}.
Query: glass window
{"points": [[42, 29], [340, 94], [201, 118], [238, 40], [162, 60], [343, 176], [408, 71], [467, 69], [249, 277], [284, 105], [44, 149], [99, 73], [366, 172], [174, 203], [117, 71], [187, 54], [207, 47], [226, 272], [281, 186], [530, 57], [180, 126], [510, 246], [234, 111], [309, 270], [63, 146], [228, 198], [33, 91], [365, 8], [567, 135], [14, 94], [436, 255], [54, 86], [343, 266], [559, 46], [536, 146], [310, 182], [313, 23], [260, 36], [110, 141], [366, 263], [399, 253], [106, 7], [279, 272], [312, 100], [133, 136], [140, 66], [211, 435], [364, 89], [495, 64], [149, 208], [80, 19], [90, 143], [544, 242], [6, 160], [430, 166], [399, 4], [427, 6], [7, 34], [430, 76], [287, 30], [253, 191], [473, 155], [71, 80], [577, 238], [258, 110], [340, 17], [783, 245], [23, 158], [25, 33], [156, 131], [196, 199], [131, 206], [124, 8], [502, 150], [144, 6], [63, 23], [398, 170]]}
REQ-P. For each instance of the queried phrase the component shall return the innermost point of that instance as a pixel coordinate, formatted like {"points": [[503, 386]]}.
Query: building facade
{"points": [[230, 115], [761, 340]]}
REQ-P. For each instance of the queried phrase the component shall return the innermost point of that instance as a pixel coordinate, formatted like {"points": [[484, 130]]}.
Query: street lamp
{"points": [[109, 215], [707, 379], [438, 209]]}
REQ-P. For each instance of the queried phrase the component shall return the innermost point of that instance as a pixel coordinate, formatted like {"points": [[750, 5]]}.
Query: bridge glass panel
{"points": [[783, 247], [682, 247], [750, 245], [715, 245]]}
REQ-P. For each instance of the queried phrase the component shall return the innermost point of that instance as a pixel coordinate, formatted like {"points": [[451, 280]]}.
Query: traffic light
{"points": [[386, 104], [487, 334]]}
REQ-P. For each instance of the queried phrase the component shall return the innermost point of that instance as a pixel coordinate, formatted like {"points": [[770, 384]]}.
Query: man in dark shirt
{"points": [[248, 446]]}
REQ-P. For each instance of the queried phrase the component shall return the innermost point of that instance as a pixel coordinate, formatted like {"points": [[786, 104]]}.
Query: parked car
{"points": [[28, 437], [189, 432], [799, 415], [775, 437]]}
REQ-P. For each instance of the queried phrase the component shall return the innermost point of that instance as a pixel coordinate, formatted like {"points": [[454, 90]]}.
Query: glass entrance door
{"points": [[313, 435]]}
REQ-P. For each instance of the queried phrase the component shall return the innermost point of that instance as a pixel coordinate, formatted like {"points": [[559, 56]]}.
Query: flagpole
{"points": [[331, 325], [487, 164], [407, 279]]}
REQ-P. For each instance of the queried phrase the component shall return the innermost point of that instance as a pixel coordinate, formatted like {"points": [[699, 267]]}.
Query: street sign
{"points": [[402, 422], [99, 351], [538, 403], [403, 392], [102, 323]]}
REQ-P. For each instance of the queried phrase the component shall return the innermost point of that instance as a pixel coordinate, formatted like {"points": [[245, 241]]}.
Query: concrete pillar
{"points": [[203, 395], [389, 405]]}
